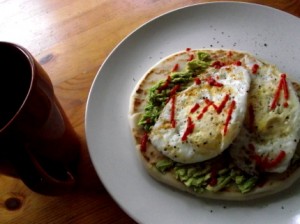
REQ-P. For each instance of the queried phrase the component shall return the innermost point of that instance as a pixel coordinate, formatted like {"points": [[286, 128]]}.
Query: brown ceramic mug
{"points": [[35, 134]]}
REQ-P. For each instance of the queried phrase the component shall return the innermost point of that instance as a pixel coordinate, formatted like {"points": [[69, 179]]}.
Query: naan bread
{"points": [[269, 183]]}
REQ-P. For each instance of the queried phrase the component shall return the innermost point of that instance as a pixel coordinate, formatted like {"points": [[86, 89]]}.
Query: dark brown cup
{"points": [[35, 134]]}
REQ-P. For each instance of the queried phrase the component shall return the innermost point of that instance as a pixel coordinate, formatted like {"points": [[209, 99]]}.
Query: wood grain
{"points": [[71, 39]]}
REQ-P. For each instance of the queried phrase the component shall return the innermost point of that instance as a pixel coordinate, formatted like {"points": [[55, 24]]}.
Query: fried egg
{"points": [[207, 116], [271, 126]]}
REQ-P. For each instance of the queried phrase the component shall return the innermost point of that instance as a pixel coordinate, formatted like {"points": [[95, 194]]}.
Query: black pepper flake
{"points": [[265, 44], [211, 211], [282, 207]]}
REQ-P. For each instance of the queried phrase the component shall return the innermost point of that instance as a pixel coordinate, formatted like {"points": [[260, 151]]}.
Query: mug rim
{"points": [[30, 60]]}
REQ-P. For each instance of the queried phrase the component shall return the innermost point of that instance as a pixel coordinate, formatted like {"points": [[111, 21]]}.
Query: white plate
{"points": [[268, 33]]}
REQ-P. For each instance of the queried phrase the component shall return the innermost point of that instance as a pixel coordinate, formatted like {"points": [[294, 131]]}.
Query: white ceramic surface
{"points": [[268, 33]]}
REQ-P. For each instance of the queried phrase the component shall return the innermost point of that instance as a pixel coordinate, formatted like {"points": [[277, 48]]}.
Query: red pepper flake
{"points": [[255, 68], [218, 64], [172, 117], [191, 57], [251, 118], [144, 141], [188, 49], [229, 54], [197, 81], [175, 68], [281, 86], [228, 118], [211, 81], [205, 109], [195, 108], [189, 129], [165, 85], [237, 63]]}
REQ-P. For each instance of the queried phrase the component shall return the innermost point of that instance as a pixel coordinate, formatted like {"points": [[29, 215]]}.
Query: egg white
{"points": [[208, 138], [273, 130]]}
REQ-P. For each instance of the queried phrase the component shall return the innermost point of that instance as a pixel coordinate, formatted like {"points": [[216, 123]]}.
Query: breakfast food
{"points": [[218, 124]]}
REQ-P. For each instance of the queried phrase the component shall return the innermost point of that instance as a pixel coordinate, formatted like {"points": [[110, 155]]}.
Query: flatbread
{"points": [[270, 183]]}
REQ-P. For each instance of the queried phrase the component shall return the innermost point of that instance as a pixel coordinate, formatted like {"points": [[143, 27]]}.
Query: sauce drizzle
{"points": [[205, 109], [172, 117], [211, 81], [144, 141], [228, 118], [281, 86], [165, 85], [218, 64], [197, 81], [264, 162], [175, 68], [174, 90], [189, 129], [194, 108], [255, 68]]}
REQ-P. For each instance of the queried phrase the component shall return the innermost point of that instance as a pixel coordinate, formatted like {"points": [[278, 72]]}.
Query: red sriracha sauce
{"points": [[175, 68], [144, 141], [205, 109], [172, 117], [194, 108], [228, 118], [218, 64], [237, 63], [187, 49], [255, 68], [197, 81], [281, 86], [211, 81], [222, 104], [191, 57], [165, 85], [174, 90], [270, 163], [285, 87], [189, 129], [263, 162]]}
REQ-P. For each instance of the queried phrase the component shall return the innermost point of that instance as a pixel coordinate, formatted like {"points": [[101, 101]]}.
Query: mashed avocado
{"points": [[207, 176], [160, 93]]}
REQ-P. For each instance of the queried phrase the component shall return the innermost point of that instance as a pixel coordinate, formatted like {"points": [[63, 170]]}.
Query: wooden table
{"points": [[71, 39]]}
